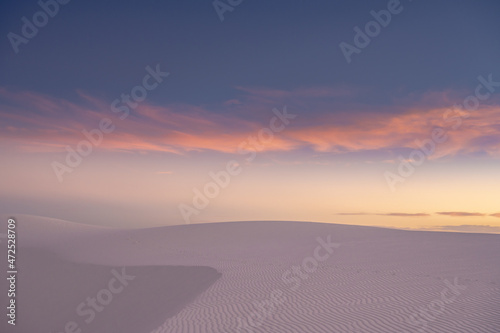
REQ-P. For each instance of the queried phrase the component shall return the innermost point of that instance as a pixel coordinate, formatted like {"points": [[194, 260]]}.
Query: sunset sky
{"points": [[267, 93]]}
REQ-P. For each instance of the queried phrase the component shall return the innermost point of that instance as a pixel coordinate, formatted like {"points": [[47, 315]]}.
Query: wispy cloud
{"points": [[389, 214], [406, 214], [466, 228], [38, 122], [460, 214], [452, 214]]}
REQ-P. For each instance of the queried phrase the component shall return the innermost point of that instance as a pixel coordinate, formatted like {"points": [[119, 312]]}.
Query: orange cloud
{"points": [[478, 132], [36, 122]]}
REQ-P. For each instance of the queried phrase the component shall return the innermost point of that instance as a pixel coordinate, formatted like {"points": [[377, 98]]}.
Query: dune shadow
{"points": [[57, 296]]}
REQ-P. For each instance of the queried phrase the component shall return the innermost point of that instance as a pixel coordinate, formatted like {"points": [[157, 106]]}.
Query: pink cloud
{"points": [[36, 122]]}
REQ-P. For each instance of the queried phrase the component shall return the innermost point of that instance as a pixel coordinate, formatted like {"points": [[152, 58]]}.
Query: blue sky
{"points": [[103, 47]]}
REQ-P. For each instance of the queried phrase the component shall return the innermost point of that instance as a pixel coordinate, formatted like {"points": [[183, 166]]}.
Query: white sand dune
{"points": [[257, 277]]}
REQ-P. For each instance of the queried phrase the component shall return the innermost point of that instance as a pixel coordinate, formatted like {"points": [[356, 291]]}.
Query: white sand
{"points": [[240, 277]]}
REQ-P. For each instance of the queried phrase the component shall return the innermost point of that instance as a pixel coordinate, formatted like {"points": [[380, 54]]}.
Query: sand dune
{"points": [[258, 277], [54, 292]]}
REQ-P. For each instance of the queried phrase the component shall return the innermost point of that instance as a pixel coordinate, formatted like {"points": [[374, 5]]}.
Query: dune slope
{"points": [[272, 277]]}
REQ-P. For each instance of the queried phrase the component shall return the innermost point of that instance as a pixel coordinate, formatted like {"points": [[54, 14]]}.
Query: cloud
{"points": [[406, 214], [388, 214], [453, 214], [36, 122], [460, 214], [41, 123], [467, 228]]}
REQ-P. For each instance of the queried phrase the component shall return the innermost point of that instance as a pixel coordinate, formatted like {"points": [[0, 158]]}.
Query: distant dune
{"points": [[252, 277]]}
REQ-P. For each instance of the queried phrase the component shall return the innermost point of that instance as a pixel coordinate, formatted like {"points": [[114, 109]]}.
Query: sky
{"points": [[149, 113]]}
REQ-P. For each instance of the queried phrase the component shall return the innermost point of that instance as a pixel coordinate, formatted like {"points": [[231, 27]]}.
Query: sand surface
{"points": [[252, 277]]}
